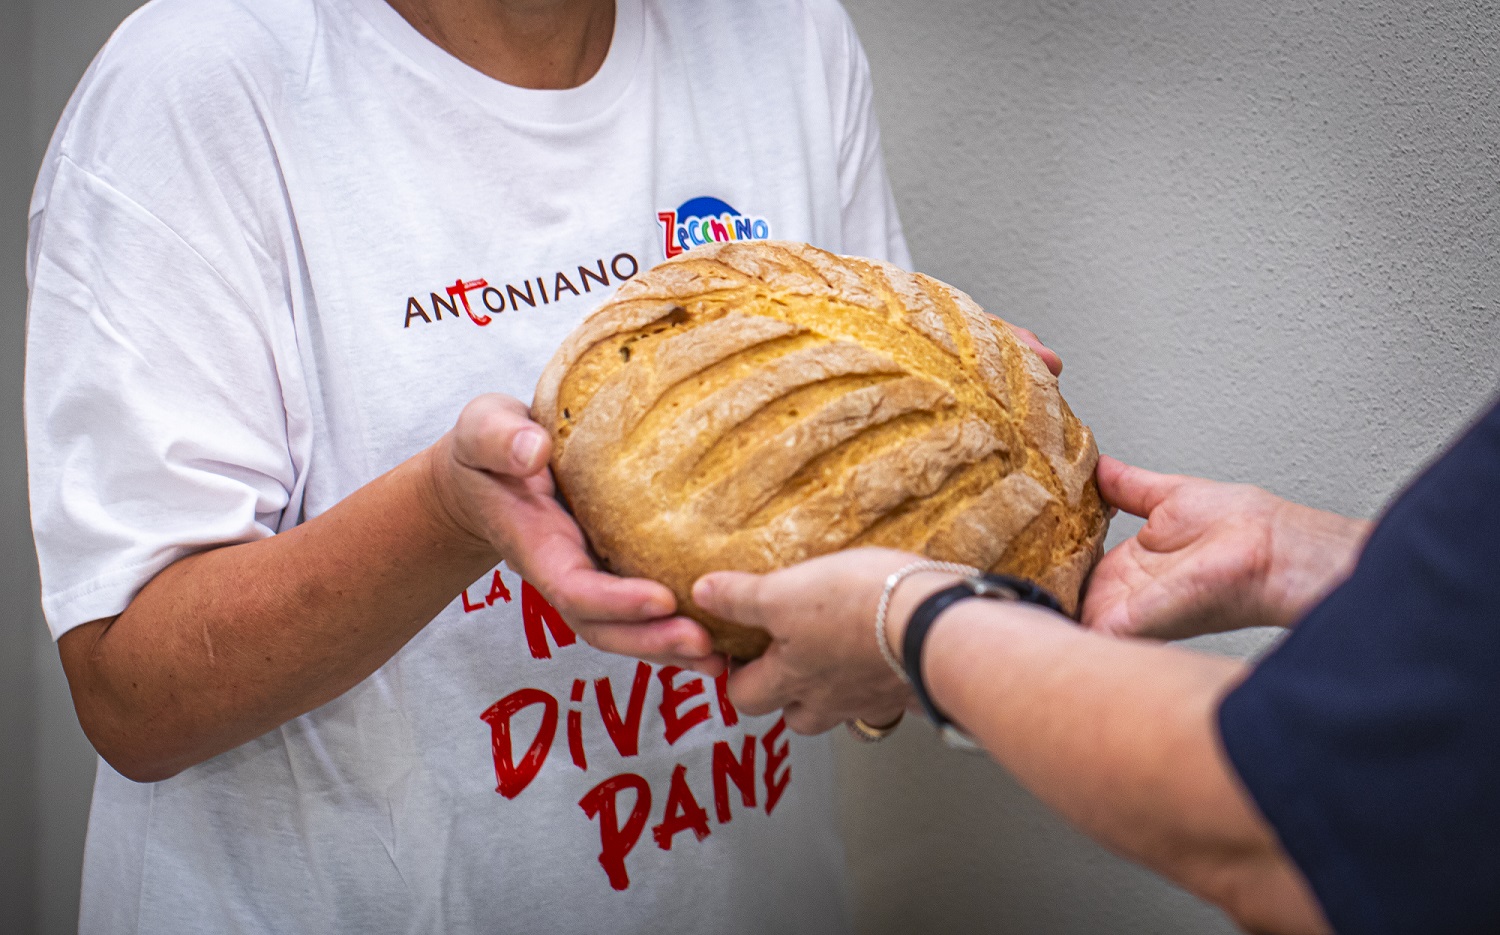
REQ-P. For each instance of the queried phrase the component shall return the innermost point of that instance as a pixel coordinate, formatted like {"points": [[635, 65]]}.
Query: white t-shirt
{"points": [[275, 246]]}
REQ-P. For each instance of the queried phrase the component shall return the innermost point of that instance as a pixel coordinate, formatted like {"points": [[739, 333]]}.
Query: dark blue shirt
{"points": [[1370, 738]]}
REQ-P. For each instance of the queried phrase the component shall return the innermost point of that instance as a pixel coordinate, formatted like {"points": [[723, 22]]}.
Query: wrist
{"points": [[907, 596], [1314, 552], [1004, 595], [439, 492]]}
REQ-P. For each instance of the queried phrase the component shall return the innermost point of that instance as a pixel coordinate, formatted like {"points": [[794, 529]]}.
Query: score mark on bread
{"points": [[750, 405]]}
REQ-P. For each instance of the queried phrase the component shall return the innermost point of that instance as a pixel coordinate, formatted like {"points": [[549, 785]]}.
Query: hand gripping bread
{"points": [[749, 405]]}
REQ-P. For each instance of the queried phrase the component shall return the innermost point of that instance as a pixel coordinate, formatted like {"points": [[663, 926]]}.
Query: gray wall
{"points": [[46, 765], [18, 611], [1262, 238]]}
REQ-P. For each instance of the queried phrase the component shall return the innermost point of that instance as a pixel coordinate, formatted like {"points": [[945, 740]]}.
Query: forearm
{"points": [[227, 644], [1121, 738]]}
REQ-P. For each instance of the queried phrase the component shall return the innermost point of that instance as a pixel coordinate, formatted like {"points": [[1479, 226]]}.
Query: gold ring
{"points": [[866, 732]]}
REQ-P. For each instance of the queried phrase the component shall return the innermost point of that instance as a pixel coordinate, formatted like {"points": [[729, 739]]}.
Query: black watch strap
{"points": [[994, 587]]}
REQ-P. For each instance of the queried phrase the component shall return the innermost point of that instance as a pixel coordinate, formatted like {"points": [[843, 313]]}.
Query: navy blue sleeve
{"points": [[1370, 738]]}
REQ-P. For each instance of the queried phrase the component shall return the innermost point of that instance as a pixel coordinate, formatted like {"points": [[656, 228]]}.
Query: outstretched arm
{"points": [[227, 644], [1119, 736], [1213, 557]]}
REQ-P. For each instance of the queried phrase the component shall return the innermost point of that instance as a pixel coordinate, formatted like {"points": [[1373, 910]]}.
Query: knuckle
{"points": [[805, 723], [476, 410], [660, 645], [493, 413], [575, 613], [591, 635], [740, 594], [758, 707], [496, 423], [748, 703]]}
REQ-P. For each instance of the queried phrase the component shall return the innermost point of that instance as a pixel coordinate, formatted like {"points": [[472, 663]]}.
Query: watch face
{"points": [[984, 587], [1016, 589]]}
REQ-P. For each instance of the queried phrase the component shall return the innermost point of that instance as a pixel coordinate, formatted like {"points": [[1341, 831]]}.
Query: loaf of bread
{"points": [[749, 405]]}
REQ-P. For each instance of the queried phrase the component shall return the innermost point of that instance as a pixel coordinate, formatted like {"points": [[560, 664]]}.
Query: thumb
{"points": [[732, 595], [1135, 490], [495, 434]]}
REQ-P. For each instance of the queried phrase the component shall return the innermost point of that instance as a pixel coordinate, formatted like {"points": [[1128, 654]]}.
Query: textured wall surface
{"points": [[1263, 238], [46, 46], [19, 615]]}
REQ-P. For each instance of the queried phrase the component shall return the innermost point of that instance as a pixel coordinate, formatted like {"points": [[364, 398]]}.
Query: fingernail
{"points": [[525, 447], [703, 590]]}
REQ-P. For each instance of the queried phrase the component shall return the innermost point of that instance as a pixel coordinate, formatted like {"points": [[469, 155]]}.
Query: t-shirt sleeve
{"points": [[154, 401], [872, 226], [1370, 739]]}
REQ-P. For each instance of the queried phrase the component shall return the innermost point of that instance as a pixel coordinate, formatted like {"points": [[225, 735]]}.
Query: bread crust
{"points": [[753, 404]]}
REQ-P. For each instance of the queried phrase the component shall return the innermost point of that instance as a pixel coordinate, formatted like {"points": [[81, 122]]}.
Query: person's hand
{"points": [[823, 665], [1047, 354], [1212, 557], [493, 484]]}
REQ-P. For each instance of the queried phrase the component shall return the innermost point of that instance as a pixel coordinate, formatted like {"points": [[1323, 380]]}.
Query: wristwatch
{"points": [[989, 586]]}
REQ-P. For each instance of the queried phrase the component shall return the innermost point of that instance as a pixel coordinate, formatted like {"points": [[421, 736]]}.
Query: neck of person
{"points": [[537, 44]]}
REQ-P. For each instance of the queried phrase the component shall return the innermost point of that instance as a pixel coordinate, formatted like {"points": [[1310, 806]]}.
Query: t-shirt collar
{"points": [[526, 105]]}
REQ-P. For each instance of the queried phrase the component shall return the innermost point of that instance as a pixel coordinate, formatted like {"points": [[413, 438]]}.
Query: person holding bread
{"points": [[1343, 783], [912, 513], [347, 661]]}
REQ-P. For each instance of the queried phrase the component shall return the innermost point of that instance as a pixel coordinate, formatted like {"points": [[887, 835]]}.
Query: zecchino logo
{"points": [[707, 220]]}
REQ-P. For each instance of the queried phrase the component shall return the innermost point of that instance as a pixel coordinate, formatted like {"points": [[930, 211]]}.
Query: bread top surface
{"points": [[750, 405]]}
